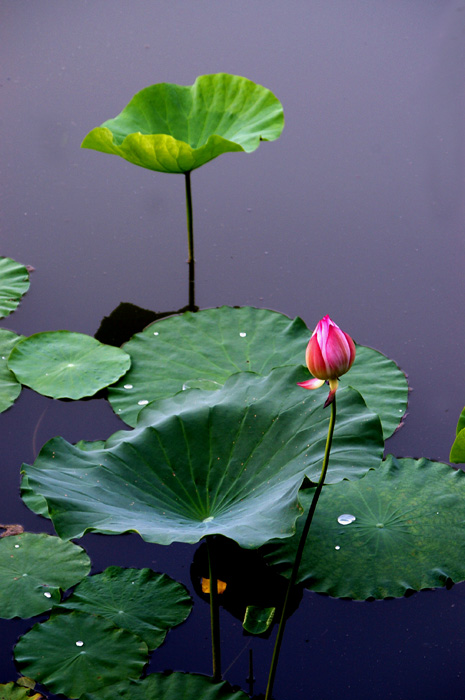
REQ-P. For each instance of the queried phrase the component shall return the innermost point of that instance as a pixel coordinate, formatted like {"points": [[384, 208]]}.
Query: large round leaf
{"points": [[407, 533], [224, 462], [10, 388], [33, 569], [204, 349], [177, 128], [69, 365], [175, 686], [139, 600], [14, 283], [77, 653]]}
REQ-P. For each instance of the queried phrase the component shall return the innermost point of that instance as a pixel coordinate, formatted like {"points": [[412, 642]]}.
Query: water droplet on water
{"points": [[346, 519], [337, 547], [48, 595], [79, 643], [242, 335], [128, 386], [144, 402]]}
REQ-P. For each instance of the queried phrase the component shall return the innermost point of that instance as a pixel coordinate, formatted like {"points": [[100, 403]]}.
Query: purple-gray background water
{"points": [[358, 210]]}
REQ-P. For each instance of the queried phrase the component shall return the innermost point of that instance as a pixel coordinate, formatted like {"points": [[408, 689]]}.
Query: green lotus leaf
{"points": [[457, 453], [258, 620], [34, 568], [139, 600], [176, 128], [10, 389], [224, 462], [77, 653], [14, 283], [15, 691], [68, 365], [169, 687], [407, 533], [204, 349]]}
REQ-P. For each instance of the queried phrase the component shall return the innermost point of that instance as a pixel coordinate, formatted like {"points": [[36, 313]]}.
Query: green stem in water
{"points": [[190, 243], [298, 557], [214, 612]]}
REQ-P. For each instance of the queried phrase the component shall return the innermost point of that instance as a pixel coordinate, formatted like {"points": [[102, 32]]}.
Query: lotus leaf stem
{"points": [[214, 612], [190, 242]]}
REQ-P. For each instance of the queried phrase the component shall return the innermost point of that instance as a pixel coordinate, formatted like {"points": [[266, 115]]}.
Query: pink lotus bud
{"points": [[330, 353]]}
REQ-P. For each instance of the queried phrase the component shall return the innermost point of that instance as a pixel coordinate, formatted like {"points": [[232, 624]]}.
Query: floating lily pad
{"points": [[14, 283], [169, 687], [10, 388], [69, 365], [404, 532], [139, 600], [77, 653], [176, 128], [34, 568], [14, 691], [258, 620], [457, 453], [208, 462], [204, 349]]}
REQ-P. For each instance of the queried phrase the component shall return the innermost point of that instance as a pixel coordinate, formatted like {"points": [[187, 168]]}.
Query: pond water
{"points": [[358, 211]]}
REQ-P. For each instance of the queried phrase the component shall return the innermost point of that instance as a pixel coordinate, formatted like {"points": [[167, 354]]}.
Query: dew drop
{"points": [[79, 643], [3, 358], [128, 386], [380, 525], [208, 520], [144, 402], [337, 547], [16, 546], [242, 335], [24, 574], [155, 333], [48, 595], [346, 519]]}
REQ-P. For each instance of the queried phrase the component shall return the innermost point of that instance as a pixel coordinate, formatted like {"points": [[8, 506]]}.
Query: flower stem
{"points": [[214, 612], [298, 557], [190, 242]]}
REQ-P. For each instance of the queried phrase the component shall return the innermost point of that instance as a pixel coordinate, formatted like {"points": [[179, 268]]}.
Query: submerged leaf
{"points": [[33, 569], [398, 529], [69, 365], [176, 128], [14, 283], [224, 462], [77, 653], [203, 349]]}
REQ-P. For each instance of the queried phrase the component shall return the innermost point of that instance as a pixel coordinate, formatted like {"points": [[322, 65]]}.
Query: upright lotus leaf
{"points": [[139, 600], [399, 529], [14, 283], [205, 348], [77, 653], [68, 365], [457, 453], [175, 686], [34, 568], [176, 128], [224, 462], [10, 388]]}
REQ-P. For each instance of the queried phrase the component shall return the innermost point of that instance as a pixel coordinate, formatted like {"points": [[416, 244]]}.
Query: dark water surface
{"points": [[358, 211]]}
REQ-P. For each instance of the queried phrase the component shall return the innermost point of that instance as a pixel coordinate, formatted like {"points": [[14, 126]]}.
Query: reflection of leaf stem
{"points": [[190, 242], [214, 612], [300, 550]]}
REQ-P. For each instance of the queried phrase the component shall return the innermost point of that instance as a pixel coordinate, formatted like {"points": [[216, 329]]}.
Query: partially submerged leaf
{"points": [[14, 283], [398, 529], [201, 350], [258, 620], [176, 128], [10, 388], [34, 568], [139, 600], [62, 364], [77, 653], [18, 691], [224, 462]]}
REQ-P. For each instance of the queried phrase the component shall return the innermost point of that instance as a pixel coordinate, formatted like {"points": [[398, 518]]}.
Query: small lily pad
{"points": [[69, 365], [173, 686], [10, 388], [34, 568], [77, 653], [203, 349], [258, 620], [175, 128], [14, 283], [139, 600], [398, 529]]}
